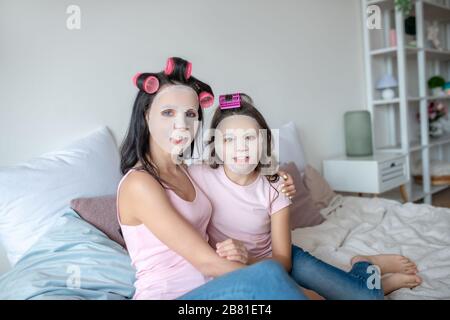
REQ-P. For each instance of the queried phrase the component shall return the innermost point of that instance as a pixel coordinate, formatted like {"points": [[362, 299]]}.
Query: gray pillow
{"points": [[101, 213], [304, 212]]}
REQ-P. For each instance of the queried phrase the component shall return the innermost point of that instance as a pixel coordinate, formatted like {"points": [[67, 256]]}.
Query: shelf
{"points": [[446, 97], [410, 99], [386, 102], [415, 146], [416, 192], [434, 54], [434, 11], [383, 60], [394, 101], [392, 51], [434, 142], [436, 189]]}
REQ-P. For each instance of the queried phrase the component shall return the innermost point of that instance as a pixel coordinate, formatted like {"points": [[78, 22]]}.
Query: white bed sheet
{"points": [[374, 226]]}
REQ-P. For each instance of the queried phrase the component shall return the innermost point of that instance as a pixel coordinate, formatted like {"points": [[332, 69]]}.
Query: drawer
{"points": [[392, 173]]}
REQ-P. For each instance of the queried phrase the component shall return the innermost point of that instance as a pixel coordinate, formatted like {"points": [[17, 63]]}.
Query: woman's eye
{"points": [[167, 113], [250, 138], [227, 139], [191, 114]]}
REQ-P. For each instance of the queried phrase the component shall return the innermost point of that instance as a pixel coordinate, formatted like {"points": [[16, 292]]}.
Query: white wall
{"points": [[300, 60]]}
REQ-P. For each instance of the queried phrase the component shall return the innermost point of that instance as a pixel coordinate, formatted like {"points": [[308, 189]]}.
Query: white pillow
{"points": [[33, 194], [290, 148]]}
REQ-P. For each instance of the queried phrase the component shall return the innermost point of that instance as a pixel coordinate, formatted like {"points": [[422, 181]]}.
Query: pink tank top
{"points": [[161, 273]]}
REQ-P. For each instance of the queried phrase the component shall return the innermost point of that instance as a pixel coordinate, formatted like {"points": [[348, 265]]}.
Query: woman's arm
{"points": [[288, 187], [143, 199]]}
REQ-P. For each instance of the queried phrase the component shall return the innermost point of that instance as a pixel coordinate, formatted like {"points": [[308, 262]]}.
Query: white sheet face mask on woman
{"points": [[173, 118], [238, 143]]}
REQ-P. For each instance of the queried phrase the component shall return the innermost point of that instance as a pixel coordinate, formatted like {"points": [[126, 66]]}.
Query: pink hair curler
{"points": [[206, 99], [188, 72], [230, 101], [170, 65], [136, 76], [151, 84]]}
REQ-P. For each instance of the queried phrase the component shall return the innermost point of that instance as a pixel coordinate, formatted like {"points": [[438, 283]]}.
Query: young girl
{"points": [[163, 214], [248, 208]]}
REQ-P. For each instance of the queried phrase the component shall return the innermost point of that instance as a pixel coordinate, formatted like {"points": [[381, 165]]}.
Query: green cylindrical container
{"points": [[358, 133]]}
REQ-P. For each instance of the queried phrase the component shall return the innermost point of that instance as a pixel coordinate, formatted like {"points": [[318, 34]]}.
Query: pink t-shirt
{"points": [[161, 273], [240, 212]]}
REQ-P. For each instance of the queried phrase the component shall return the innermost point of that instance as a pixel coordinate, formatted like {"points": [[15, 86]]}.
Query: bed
{"points": [[50, 252], [372, 226]]}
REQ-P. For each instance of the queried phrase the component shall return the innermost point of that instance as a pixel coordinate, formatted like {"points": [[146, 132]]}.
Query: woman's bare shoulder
{"points": [[137, 188], [140, 181]]}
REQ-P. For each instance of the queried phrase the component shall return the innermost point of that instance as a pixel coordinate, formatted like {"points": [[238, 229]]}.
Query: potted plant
{"points": [[436, 111], [404, 5], [436, 85]]}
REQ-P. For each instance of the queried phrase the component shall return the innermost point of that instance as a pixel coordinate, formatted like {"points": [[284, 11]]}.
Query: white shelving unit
{"points": [[396, 128]]}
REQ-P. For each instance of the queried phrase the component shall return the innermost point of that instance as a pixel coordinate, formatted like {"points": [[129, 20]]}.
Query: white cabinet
{"points": [[375, 175]]}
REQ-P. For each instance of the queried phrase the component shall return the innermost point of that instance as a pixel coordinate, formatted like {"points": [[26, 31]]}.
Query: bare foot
{"points": [[395, 281], [389, 263]]}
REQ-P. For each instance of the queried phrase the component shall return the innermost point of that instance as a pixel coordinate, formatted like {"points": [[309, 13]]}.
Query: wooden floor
{"points": [[442, 199]]}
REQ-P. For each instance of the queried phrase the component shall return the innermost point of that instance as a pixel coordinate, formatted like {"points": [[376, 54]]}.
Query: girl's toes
{"points": [[411, 271], [410, 266]]}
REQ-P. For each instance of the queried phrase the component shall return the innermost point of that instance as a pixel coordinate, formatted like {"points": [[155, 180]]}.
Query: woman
{"points": [[164, 215]]}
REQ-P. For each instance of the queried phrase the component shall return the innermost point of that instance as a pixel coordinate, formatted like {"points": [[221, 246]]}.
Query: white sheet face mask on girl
{"points": [[173, 118], [238, 143]]}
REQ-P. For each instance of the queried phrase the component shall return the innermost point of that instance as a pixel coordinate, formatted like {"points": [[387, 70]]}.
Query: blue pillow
{"points": [[73, 260]]}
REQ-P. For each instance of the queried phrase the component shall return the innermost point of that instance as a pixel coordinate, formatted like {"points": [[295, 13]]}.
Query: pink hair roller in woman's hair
{"points": [[188, 70], [135, 78], [149, 85], [206, 99], [230, 101], [170, 66]]}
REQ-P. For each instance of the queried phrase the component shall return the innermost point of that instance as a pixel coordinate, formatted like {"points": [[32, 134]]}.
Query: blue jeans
{"points": [[265, 280], [333, 283]]}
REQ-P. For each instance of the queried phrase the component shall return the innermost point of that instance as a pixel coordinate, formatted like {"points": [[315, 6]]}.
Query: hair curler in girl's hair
{"points": [[147, 82], [230, 101], [175, 65]]}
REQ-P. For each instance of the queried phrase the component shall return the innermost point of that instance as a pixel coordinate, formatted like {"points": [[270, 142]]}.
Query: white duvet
{"points": [[374, 226]]}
